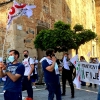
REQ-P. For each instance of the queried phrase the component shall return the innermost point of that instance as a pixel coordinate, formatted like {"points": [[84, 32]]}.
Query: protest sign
{"points": [[89, 72]]}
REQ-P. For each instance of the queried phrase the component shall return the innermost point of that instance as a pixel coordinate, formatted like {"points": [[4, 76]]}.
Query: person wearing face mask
{"points": [[29, 67], [14, 73], [51, 75]]}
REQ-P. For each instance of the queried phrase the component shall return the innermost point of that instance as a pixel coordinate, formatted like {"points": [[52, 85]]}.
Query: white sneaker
{"points": [[34, 87], [4, 91]]}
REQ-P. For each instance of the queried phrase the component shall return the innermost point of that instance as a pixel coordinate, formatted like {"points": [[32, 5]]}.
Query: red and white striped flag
{"points": [[18, 10]]}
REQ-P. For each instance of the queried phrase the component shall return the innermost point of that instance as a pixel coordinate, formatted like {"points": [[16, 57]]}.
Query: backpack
{"points": [[34, 66]]}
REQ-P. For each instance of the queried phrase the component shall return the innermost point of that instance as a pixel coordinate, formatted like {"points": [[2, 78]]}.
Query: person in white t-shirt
{"points": [[29, 67]]}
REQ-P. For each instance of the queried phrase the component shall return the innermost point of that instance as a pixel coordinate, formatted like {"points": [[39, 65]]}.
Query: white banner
{"points": [[89, 72]]}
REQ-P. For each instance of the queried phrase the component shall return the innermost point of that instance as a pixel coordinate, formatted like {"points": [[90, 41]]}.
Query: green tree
{"points": [[82, 35], [62, 38], [78, 28], [58, 39]]}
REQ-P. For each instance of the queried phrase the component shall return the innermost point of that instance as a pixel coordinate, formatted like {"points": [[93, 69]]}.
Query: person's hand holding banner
{"points": [[75, 62]]}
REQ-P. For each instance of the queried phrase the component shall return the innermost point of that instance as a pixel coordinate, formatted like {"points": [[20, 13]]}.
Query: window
{"points": [[93, 50]]}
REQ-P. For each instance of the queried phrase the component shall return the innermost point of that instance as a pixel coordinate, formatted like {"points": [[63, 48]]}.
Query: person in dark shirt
{"points": [[67, 74], [14, 72], [98, 96], [51, 75]]}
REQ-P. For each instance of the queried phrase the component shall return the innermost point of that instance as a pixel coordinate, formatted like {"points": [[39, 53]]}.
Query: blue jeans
{"points": [[27, 85], [98, 97], [54, 88], [0, 80], [83, 83]]}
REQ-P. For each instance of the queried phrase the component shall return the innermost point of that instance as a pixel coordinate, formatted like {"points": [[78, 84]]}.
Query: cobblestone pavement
{"points": [[84, 93]]}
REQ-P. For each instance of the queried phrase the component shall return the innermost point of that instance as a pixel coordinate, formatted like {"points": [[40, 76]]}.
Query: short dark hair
{"points": [[15, 52], [49, 52], [26, 51], [66, 53], [82, 57]]}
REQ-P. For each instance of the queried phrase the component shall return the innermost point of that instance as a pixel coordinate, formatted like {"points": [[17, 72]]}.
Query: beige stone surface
{"points": [[98, 16], [47, 12]]}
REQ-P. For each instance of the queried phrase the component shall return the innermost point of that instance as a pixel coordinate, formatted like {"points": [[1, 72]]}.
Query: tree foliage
{"points": [[84, 36], [62, 38], [78, 27], [62, 25]]}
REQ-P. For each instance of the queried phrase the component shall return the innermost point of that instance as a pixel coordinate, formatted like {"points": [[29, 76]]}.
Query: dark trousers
{"points": [[83, 83], [8, 95], [54, 88], [67, 75], [27, 85], [94, 85]]}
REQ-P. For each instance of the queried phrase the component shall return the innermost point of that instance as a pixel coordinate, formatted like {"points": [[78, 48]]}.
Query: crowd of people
{"points": [[20, 76], [92, 60]]}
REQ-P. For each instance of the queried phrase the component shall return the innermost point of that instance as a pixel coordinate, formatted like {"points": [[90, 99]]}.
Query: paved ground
{"points": [[83, 94]]}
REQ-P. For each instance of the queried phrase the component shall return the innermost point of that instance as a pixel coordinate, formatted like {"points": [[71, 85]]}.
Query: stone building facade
{"points": [[23, 30]]}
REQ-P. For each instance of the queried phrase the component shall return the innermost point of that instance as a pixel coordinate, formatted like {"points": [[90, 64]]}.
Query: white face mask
{"points": [[11, 59]]}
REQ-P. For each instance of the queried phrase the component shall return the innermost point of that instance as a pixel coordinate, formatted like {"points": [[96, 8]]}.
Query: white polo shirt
{"points": [[27, 65], [65, 63]]}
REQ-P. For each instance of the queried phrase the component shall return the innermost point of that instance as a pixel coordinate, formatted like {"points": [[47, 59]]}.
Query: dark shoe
{"points": [[83, 85], [63, 94], [72, 96], [90, 86], [95, 85]]}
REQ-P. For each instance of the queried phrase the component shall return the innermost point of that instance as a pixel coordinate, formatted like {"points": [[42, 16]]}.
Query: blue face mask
{"points": [[11, 59]]}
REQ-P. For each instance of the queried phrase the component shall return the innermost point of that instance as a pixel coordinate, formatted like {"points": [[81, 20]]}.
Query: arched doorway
{"points": [[40, 53]]}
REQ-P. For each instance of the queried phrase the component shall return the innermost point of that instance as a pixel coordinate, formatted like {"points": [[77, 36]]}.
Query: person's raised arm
{"points": [[13, 77], [9, 74], [2, 67], [19, 72], [51, 67]]}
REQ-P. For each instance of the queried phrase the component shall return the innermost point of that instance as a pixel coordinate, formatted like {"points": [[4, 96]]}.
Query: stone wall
{"points": [[47, 12], [83, 12], [98, 16]]}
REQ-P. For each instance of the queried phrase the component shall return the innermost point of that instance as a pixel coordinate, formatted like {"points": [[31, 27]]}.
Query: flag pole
{"points": [[4, 43], [17, 13]]}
